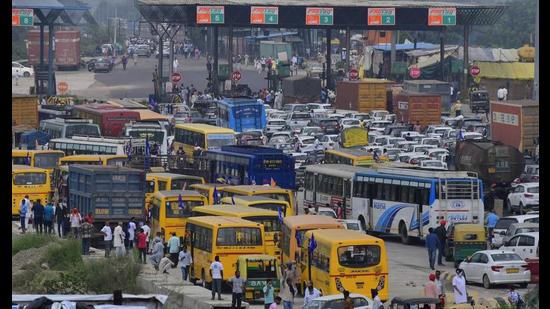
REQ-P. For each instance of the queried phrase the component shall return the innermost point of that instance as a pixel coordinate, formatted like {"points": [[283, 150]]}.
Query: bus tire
{"points": [[203, 279], [405, 238]]}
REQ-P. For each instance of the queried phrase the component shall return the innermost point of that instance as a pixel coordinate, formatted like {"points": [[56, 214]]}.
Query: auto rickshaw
{"points": [[421, 302], [463, 240], [479, 101], [256, 270]]}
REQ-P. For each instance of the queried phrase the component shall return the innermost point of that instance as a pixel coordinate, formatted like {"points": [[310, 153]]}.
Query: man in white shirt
{"points": [[186, 260], [165, 264], [501, 93], [310, 294], [131, 233], [107, 238], [216, 272], [118, 240], [459, 287]]}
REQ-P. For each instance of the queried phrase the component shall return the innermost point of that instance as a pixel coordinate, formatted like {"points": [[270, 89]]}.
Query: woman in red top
{"points": [[142, 245]]}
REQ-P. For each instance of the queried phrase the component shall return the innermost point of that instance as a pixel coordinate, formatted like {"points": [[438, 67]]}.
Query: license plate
{"points": [[512, 270]]}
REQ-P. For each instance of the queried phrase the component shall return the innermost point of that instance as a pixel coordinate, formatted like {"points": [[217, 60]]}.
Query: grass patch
{"points": [[64, 255], [28, 241], [107, 275]]}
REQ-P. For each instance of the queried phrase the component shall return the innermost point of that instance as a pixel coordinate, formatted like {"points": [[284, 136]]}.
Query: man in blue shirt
{"points": [[174, 248], [23, 209], [432, 243], [48, 218], [492, 219]]}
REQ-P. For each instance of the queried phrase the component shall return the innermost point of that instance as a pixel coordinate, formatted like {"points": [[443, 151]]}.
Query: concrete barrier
{"points": [[180, 294]]}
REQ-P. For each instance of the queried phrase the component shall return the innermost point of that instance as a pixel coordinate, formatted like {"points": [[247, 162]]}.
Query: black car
{"points": [[103, 65], [329, 126]]}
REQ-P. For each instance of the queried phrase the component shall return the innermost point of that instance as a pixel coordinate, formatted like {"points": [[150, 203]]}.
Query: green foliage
{"points": [[28, 241], [64, 255], [107, 275]]}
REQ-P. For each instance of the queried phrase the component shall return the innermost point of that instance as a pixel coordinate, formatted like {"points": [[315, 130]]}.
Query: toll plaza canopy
{"points": [[353, 14], [61, 12]]}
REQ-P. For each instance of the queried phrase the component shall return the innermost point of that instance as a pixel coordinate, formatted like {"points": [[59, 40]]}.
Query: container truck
{"points": [[301, 89], [362, 96], [412, 107], [516, 123], [24, 110], [67, 48]]}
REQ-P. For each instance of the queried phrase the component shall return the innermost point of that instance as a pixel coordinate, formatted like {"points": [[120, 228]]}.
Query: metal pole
{"points": [[348, 40], [230, 47], [161, 64], [171, 66], [51, 87], [329, 59], [392, 52], [115, 28], [41, 45], [215, 68], [536, 82], [441, 55], [464, 87]]}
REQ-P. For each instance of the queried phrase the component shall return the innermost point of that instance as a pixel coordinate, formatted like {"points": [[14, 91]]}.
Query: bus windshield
{"points": [[359, 256], [29, 179], [82, 130], [276, 196], [219, 140], [239, 236], [20, 160], [269, 206], [271, 224], [257, 268], [173, 209], [153, 136], [46, 160], [182, 184]]}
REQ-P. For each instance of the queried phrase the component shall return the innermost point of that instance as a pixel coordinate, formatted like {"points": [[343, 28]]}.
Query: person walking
{"points": [[459, 287], [118, 240], [60, 215], [176, 65], [348, 302], [287, 293], [158, 252], [515, 299], [23, 209], [441, 233], [432, 243], [131, 233], [439, 284], [107, 238], [29, 213], [376, 302], [142, 245], [49, 212], [86, 231], [186, 260], [75, 218], [291, 273], [430, 289], [310, 294], [174, 248], [38, 211], [124, 61], [147, 231], [491, 222], [135, 58], [236, 283], [269, 291], [278, 300], [216, 272]]}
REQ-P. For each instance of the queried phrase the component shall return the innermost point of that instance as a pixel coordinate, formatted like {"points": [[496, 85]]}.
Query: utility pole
{"points": [[115, 30], [536, 83]]}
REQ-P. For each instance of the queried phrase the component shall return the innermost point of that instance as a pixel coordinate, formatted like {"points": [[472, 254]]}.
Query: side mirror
{"points": [[469, 259]]}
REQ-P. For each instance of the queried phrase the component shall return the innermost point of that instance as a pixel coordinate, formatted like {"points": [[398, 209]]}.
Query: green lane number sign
{"points": [[22, 17], [442, 17], [210, 14], [381, 17], [319, 16], [264, 15]]}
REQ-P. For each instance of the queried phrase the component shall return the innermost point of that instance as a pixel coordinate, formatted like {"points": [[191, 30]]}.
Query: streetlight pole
{"points": [[536, 83]]}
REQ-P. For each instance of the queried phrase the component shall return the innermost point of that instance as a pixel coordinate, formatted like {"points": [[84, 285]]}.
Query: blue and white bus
{"points": [[407, 202], [241, 114], [249, 165]]}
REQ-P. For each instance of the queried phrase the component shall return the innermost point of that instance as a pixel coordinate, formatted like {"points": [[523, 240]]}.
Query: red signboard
{"points": [[62, 87], [474, 70], [236, 75], [176, 77], [414, 72], [353, 74]]}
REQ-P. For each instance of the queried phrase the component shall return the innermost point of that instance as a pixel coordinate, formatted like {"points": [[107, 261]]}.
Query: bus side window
{"points": [[151, 186], [412, 195], [162, 185], [394, 193], [404, 194], [386, 192], [378, 189]]}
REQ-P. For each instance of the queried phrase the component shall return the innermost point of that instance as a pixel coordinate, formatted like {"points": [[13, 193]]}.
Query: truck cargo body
{"points": [[111, 193], [432, 87], [110, 119], [24, 110], [515, 123], [301, 89], [422, 107], [67, 49], [494, 162], [274, 49], [362, 96]]}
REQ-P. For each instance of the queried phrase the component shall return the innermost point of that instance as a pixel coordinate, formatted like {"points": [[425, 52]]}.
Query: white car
{"points": [[19, 70], [350, 123], [405, 157], [439, 130], [379, 114], [433, 165], [300, 119], [380, 140], [329, 141], [295, 107], [409, 133], [379, 125], [404, 145], [307, 143], [350, 224], [437, 152], [327, 211], [336, 116], [524, 197], [525, 245], [504, 223], [431, 141], [491, 267], [274, 125], [320, 107], [337, 301], [472, 136]]}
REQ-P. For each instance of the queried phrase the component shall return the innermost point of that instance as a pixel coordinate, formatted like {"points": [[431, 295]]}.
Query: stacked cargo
{"points": [[362, 96], [515, 123], [24, 110], [412, 107], [432, 87]]}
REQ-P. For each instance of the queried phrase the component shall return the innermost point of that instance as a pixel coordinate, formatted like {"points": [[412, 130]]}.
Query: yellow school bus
{"points": [[345, 259], [353, 157], [275, 193], [258, 202], [207, 189], [226, 237], [48, 159], [169, 214], [119, 160], [31, 181], [168, 181], [293, 231], [190, 135], [269, 219]]}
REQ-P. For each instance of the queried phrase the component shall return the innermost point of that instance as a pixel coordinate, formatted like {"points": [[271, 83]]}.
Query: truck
{"points": [[412, 107], [443, 89], [24, 110], [362, 96], [275, 50], [494, 162], [67, 48], [109, 193], [301, 89], [516, 123]]}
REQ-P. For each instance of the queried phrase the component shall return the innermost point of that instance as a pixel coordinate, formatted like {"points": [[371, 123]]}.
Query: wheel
{"points": [[192, 277], [520, 209], [26, 74], [448, 254], [457, 263], [203, 279], [523, 285], [405, 239], [486, 282], [508, 205]]}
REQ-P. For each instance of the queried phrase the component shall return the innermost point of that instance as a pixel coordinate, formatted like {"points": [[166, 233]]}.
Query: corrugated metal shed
{"points": [[490, 54], [507, 70]]}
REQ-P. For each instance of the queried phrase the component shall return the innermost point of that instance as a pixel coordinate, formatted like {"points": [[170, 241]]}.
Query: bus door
{"points": [[419, 199]]}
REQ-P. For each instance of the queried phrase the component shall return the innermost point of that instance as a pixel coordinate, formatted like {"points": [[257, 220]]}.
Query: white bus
{"points": [[154, 131], [99, 146], [67, 128]]}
